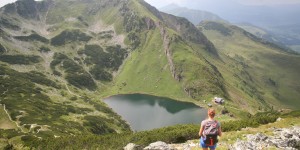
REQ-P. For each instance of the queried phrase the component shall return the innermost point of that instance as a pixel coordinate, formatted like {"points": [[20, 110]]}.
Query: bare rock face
{"points": [[158, 146], [282, 139], [150, 23], [28, 9], [132, 146], [287, 138]]}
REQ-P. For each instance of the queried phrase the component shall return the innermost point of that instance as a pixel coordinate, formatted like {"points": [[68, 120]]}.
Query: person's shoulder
{"points": [[204, 121]]}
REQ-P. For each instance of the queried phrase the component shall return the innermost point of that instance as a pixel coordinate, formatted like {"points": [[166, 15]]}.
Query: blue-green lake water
{"points": [[145, 112]]}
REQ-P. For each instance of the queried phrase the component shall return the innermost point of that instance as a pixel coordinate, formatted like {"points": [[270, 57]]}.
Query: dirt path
{"points": [[5, 92], [71, 91], [5, 123], [17, 124]]}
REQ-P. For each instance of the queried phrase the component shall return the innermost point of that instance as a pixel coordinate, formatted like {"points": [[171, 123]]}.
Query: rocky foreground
{"points": [[286, 138], [282, 139]]}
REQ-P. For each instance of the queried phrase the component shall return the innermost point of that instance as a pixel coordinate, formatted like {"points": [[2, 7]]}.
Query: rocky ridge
{"points": [[282, 139], [286, 138]]}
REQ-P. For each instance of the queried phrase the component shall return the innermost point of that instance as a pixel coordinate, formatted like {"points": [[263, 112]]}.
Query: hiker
{"points": [[209, 131]]}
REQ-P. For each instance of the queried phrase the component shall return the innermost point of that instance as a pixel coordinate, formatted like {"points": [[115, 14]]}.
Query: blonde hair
{"points": [[211, 112]]}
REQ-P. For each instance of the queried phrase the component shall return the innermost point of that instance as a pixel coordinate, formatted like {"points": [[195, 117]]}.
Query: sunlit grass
{"points": [[5, 123], [263, 63], [146, 70]]}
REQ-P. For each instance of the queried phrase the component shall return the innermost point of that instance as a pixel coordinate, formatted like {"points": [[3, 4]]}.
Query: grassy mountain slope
{"points": [[146, 71], [164, 49], [59, 62], [286, 38], [258, 68], [285, 35], [53, 63]]}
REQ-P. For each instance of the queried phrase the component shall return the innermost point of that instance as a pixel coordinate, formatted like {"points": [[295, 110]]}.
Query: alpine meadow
{"points": [[59, 59]]}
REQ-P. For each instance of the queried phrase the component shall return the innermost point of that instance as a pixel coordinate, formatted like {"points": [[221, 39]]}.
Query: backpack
{"points": [[211, 132]]}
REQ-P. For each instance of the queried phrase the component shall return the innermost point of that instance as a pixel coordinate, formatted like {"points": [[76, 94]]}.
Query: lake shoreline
{"points": [[189, 100], [145, 112]]}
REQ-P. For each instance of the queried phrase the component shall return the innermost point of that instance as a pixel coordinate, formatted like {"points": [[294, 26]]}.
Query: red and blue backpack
{"points": [[210, 132]]}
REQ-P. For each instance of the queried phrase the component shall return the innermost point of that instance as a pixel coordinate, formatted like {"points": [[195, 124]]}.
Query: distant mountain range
{"points": [[279, 24], [194, 16], [259, 15], [286, 36]]}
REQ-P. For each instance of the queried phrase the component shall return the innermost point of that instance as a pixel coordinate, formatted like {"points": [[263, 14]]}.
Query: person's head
{"points": [[211, 113]]}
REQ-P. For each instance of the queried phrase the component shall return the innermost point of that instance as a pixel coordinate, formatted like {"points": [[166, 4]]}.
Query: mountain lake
{"points": [[146, 112]]}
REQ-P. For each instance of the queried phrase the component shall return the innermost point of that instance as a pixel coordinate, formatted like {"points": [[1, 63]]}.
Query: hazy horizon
{"points": [[185, 3], [160, 3], [258, 12]]}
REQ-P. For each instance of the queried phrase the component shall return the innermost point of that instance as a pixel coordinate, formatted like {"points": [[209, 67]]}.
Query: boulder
{"points": [[242, 145], [132, 146], [287, 138], [158, 146], [257, 137], [278, 119]]}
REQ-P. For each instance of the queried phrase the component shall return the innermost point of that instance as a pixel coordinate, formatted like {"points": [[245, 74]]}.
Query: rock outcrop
{"points": [[158, 146], [132, 146], [166, 44], [282, 139], [287, 138]]}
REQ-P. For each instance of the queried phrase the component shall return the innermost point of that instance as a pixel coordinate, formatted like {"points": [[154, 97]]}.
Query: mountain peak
{"points": [[28, 9], [170, 7], [194, 16]]}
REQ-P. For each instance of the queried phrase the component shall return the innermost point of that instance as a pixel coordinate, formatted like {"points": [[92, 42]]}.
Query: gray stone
{"points": [[261, 137], [158, 146], [242, 145], [186, 147], [287, 134], [132, 146], [279, 119], [282, 139]]}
